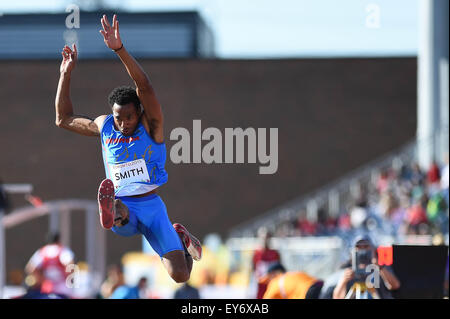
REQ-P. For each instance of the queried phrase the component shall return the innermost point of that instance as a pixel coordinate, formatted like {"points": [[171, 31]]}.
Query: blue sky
{"points": [[285, 28]]}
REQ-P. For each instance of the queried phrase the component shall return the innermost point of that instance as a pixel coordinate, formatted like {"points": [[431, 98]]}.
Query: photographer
{"points": [[364, 254]]}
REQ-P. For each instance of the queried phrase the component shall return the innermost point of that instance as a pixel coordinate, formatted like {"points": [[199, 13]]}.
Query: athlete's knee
{"points": [[180, 276], [175, 264]]}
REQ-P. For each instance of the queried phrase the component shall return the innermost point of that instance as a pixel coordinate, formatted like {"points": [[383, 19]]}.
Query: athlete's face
{"points": [[126, 118]]}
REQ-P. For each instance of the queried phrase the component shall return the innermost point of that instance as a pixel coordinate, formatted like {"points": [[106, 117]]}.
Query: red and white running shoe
{"points": [[191, 243], [105, 200]]}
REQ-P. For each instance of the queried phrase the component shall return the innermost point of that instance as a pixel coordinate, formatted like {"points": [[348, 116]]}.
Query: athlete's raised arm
{"points": [[63, 105], [152, 109]]}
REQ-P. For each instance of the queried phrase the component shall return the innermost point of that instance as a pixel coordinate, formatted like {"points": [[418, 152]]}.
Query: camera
{"points": [[361, 258]]}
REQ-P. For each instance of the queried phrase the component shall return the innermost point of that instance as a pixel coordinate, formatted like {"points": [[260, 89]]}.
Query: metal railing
{"points": [[95, 235]]}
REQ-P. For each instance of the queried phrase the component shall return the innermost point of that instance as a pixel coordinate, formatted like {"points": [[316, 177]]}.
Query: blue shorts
{"points": [[148, 216]]}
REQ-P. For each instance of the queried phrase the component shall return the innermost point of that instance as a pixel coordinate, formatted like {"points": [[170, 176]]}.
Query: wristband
{"points": [[115, 50]]}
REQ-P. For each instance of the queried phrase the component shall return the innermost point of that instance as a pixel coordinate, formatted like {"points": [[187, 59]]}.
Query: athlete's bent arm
{"points": [[152, 109], [65, 118]]}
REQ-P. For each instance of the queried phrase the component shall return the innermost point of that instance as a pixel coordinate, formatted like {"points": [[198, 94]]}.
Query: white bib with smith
{"points": [[129, 172]]}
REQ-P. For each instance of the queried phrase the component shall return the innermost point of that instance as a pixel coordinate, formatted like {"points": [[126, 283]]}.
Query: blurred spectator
{"points": [[399, 215], [186, 291], [405, 172], [417, 176], [344, 223], [51, 261], [263, 258], [388, 204], [406, 202], [330, 225], [433, 174], [436, 210], [417, 193], [388, 282], [383, 182], [114, 279], [284, 228], [402, 202], [307, 227], [417, 218], [290, 285], [131, 292], [358, 216]]}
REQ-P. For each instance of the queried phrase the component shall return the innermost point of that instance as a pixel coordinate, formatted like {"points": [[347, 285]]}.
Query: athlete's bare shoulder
{"points": [[99, 122]]}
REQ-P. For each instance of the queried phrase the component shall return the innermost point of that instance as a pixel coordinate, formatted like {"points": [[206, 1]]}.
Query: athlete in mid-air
{"points": [[134, 155]]}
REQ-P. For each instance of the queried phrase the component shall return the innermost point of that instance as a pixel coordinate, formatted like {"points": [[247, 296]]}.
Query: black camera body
{"points": [[361, 258]]}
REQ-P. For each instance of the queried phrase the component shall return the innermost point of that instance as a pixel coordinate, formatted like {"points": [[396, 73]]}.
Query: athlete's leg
{"points": [[178, 265], [173, 260], [122, 213], [148, 215], [114, 214], [186, 255], [155, 225], [125, 220], [191, 244]]}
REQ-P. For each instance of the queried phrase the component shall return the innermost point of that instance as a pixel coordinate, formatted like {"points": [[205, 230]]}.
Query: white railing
{"points": [[95, 235]]}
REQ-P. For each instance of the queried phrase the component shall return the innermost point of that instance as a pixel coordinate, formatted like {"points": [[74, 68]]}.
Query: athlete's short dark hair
{"points": [[123, 95]]}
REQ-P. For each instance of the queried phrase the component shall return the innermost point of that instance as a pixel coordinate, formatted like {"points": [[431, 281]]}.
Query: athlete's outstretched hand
{"points": [[69, 58], [110, 33]]}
